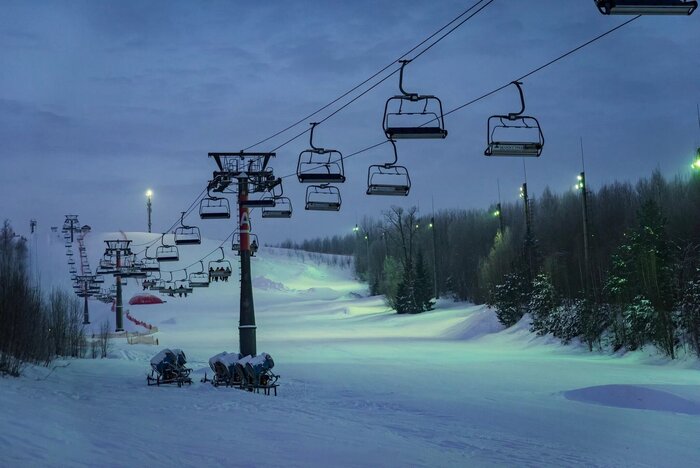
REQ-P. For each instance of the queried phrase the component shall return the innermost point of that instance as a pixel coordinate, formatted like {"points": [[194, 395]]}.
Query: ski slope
{"points": [[360, 386]]}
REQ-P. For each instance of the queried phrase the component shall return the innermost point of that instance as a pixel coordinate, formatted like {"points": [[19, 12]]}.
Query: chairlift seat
{"points": [[320, 178], [646, 7], [322, 206], [167, 253], [514, 148], [387, 189], [261, 203], [404, 133], [199, 280]]}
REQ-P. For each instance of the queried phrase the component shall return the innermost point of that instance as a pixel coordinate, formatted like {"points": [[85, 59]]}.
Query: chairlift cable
{"points": [[392, 73], [307, 117], [500, 88]]}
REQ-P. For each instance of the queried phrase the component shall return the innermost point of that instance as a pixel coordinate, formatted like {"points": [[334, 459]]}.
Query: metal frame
{"points": [[224, 208], [423, 131], [646, 7], [166, 252], [318, 165], [319, 205], [186, 235], [514, 120]]}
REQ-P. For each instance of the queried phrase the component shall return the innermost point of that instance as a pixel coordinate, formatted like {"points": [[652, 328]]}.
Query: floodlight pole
{"points": [[586, 257], [528, 229], [246, 324], [435, 271], [148, 208], [500, 217]]}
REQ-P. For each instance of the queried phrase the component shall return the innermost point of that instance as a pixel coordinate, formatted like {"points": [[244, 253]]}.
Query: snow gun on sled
{"points": [[168, 367]]}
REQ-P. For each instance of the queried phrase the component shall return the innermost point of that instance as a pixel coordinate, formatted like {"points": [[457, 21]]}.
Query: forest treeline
{"points": [[36, 329], [637, 283]]}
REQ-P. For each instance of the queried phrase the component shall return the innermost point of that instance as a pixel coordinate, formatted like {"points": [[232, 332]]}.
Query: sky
{"points": [[100, 101]]}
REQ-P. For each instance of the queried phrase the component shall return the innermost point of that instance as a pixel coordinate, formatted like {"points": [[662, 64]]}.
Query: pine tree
{"points": [[423, 286], [510, 299], [405, 296], [689, 311], [542, 302]]}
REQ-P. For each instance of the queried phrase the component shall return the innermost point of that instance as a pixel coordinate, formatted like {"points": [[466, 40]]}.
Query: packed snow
{"points": [[359, 386]]}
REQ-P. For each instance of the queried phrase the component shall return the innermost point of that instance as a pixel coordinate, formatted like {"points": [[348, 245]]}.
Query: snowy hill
{"points": [[360, 385]]}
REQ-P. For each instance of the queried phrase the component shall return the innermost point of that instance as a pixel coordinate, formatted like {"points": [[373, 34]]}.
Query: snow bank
{"points": [[634, 397]]}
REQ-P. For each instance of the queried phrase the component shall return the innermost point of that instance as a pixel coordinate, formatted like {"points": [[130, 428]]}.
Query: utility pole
{"points": [[149, 193], [528, 229], [435, 270], [581, 185], [251, 175], [118, 248], [499, 214]]}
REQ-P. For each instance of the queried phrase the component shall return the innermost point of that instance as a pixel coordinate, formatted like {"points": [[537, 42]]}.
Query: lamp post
{"points": [[431, 226], [696, 164], [581, 186], [528, 230], [149, 194], [357, 230], [499, 214]]}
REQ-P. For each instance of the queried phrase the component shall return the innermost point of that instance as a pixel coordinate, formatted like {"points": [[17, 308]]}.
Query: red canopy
{"points": [[140, 299]]}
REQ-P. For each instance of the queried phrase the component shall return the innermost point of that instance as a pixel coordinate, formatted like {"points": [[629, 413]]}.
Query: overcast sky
{"points": [[102, 100]]}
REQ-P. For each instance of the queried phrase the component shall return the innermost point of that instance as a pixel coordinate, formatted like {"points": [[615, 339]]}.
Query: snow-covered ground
{"points": [[360, 386]]}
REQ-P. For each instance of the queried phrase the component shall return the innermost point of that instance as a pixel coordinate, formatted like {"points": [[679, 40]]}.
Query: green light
{"points": [[356, 228], [579, 177], [497, 213], [430, 225]]}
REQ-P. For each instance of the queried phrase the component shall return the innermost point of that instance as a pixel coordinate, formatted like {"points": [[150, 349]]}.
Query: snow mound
{"points": [[634, 397], [476, 324], [266, 284]]}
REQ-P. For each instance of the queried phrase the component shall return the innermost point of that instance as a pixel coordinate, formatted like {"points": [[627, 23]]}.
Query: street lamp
{"points": [[696, 163], [356, 230], [149, 194]]}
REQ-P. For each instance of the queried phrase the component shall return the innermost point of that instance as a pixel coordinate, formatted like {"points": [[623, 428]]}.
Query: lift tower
{"points": [[245, 174], [118, 248]]}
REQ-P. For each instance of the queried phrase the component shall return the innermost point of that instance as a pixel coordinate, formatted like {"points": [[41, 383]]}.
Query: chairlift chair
{"points": [[166, 252], [183, 287], [212, 207], [220, 268], [71, 261], [500, 130], [389, 178], [319, 165], [150, 264], [253, 244], [646, 7], [323, 197], [99, 279], [412, 124], [199, 279], [282, 209], [186, 235]]}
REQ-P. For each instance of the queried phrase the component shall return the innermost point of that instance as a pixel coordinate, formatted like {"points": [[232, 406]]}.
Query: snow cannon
{"points": [[216, 358], [163, 360], [258, 370], [181, 358], [168, 366]]}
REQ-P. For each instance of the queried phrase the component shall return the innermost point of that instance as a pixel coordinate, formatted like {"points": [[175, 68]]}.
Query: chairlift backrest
{"points": [[413, 116], [514, 134], [214, 208], [323, 198], [646, 7], [320, 165], [282, 209], [167, 253]]}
